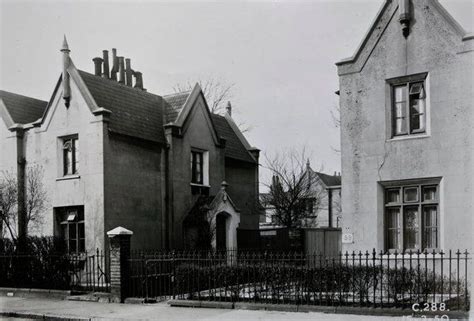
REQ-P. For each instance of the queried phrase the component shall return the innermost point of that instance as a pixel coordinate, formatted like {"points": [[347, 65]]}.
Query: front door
{"points": [[221, 237]]}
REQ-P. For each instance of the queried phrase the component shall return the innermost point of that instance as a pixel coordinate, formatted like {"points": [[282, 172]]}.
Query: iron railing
{"points": [[371, 279], [79, 272]]}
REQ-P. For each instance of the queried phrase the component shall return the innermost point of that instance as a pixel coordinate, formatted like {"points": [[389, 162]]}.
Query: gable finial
{"points": [[404, 16], [66, 82]]}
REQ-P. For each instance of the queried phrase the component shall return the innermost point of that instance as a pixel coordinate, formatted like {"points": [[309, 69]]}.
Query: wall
{"points": [[44, 148], [241, 178], [196, 134], [368, 153], [133, 193]]}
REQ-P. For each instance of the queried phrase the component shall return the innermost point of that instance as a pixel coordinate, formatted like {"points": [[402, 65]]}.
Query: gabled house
{"points": [[406, 99], [114, 154], [322, 206]]}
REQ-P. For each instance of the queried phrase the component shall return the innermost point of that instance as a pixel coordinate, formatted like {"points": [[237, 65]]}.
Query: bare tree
{"points": [[8, 203], [217, 93], [294, 192], [35, 198]]}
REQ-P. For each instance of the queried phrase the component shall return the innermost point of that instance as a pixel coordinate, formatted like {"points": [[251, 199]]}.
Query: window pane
{"points": [[81, 230], [393, 228], [76, 156], [73, 246], [429, 193], [430, 228], [400, 93], [411, 194], [400, 118], [82, 245], [72, 231], [410, 227], [393, 196]]}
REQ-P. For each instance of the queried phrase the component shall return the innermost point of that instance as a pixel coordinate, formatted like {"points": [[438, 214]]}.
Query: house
{"points": [[114, 154], [323, 207], [406, 99]]}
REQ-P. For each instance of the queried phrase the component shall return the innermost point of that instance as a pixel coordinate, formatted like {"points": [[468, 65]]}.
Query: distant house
{"points": [[115, 154], [406, 99], [323, 209]]}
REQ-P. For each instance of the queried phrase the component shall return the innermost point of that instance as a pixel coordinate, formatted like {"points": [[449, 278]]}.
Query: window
{"points": [[70, 156], [412, 217], [408, 105], [71, 221], [197, 164]]}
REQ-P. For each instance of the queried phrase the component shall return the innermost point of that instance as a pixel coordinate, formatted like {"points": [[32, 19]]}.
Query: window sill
{"points": [[68, 177], [408, 137], [200, 185]]}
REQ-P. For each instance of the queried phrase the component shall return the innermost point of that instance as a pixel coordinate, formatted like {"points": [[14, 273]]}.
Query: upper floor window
{"points": [[70, 156], [412, 217], [408, 105], [197, 167]]}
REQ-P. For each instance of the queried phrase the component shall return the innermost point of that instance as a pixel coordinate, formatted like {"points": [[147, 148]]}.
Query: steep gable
{"points": [[389, 14]]}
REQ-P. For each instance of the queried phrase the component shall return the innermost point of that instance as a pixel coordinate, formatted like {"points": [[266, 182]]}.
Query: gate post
{"points": [[119, 246]]}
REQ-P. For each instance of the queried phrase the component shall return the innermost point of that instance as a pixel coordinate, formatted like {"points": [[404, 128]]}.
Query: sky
{"points": [[280, 56]]}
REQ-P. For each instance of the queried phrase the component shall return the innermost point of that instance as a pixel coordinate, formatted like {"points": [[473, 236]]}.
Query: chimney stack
{"points": [[105, 54], [115, 67], [138, 80], [229, 108], [97, 66], [65, 78], [128, 72], [121, 70]]}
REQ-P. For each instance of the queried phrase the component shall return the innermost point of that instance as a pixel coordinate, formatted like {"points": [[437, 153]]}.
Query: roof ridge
{"points": [[178, 93], [135, 90]]}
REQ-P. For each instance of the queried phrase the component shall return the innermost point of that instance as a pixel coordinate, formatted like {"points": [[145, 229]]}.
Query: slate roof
{"points": [[234, 147], [135, 112], [329, 180], [22, 109], [174, 104]]}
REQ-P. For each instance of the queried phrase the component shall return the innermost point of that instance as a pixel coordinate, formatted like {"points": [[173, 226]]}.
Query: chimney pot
{"points": [[106, 73], [229, 108], [97, 66], [128, 72], [115, 67], [121, 70], [138, 80]]}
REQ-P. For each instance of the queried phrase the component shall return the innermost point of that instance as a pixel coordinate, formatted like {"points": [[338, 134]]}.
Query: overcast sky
{"points": [[280, 56]]}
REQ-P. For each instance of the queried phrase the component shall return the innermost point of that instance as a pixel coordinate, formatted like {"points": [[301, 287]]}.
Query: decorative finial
{"points": [[224, 185], [229, 108], [65, 46]]}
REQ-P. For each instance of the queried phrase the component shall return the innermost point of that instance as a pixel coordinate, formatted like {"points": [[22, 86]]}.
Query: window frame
{"points": [[193, 167], [74, 140], [402, 205], [407, 81], [65, 227]]}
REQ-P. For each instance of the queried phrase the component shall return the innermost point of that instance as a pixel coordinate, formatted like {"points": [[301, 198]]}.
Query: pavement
{"points": [[12, 308]]}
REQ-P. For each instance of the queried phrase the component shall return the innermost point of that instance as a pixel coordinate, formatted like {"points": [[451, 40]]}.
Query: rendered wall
{"points": [[44, 148], [369, 155]]}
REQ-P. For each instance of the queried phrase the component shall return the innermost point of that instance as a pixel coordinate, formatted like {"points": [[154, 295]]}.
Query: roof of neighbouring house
{"points": [[135, 112], [22, 109], [174, 104], [329, 180]]}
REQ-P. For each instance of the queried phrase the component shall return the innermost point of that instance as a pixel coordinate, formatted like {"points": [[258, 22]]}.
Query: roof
{"points": [[234, 147], [174, 104], [22, 109], [135, 112], [329, 180]]}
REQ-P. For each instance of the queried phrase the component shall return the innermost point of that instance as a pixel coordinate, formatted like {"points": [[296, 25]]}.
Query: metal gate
{"points": [[89, 272]]}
